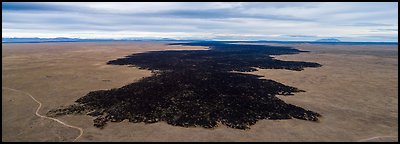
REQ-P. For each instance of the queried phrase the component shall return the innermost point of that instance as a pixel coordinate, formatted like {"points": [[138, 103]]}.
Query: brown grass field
{"points": [[355, 91]]}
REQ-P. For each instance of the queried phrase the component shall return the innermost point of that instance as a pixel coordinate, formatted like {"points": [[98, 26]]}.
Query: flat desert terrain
{"points": [[355, 91]]}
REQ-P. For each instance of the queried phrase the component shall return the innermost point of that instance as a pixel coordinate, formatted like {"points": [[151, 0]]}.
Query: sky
{"points": [[348, 21]]}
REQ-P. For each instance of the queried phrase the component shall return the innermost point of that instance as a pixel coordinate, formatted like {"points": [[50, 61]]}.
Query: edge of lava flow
{"points": [[198, 88]]}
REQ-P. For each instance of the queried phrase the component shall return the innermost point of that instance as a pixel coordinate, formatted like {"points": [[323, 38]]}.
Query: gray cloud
{"points": [[303, 36], [301, 21], [369, 24], [380, 30], [12, 6], [42, 7], [219, 14]]}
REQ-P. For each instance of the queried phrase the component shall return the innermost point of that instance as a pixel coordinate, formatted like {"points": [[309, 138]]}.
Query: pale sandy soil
{"points": [[355, 91]]}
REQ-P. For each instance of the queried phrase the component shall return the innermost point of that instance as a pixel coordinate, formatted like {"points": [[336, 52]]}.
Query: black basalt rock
{"points": [[192, 88]]}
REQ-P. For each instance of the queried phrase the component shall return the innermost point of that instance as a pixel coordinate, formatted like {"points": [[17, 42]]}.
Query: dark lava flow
{"points": [[198, 88]]}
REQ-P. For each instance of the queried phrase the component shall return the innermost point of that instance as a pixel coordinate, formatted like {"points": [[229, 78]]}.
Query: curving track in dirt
{"points": [[42, 116]]}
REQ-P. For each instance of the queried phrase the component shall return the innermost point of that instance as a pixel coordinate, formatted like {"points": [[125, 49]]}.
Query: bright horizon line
{"points": [[212, 39]]}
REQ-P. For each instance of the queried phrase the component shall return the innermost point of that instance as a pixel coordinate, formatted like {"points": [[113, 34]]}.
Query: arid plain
{"points": [[355, 91]]}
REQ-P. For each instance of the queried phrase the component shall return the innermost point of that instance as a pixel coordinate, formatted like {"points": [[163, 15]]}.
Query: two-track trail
{"points": [[42, 116]]}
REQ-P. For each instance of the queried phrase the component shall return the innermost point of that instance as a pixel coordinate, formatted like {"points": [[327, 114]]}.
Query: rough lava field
{"points": [[198, 88]]}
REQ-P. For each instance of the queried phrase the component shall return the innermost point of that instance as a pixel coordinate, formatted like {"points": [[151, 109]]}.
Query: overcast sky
{"points": [[197, 20]]}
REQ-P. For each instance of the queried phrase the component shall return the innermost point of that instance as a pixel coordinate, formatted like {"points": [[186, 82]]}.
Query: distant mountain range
{"points": [[328, 40], [63, 39], [40, 40]]}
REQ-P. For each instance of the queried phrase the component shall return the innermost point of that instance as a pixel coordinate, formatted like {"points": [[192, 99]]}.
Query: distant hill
{"points": [[29, 40], [328, 40], [64, 39], [59, 39]]}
